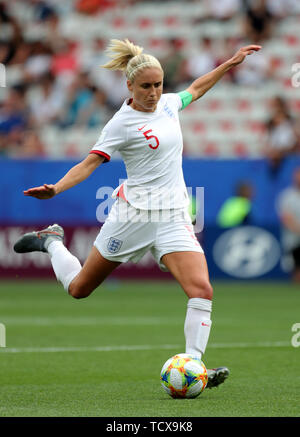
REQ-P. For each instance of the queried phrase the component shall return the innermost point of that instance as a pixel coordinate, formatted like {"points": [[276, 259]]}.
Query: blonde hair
{"points": [[129, 58]]}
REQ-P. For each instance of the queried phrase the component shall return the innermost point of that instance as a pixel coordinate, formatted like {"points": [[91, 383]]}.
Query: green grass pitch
{"points": [[102, 356]]}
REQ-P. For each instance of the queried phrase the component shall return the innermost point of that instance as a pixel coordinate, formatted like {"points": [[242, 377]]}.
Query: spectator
{"points": [[282, 139], [52, 22], [42, 10], [79, 100], [91, 58], [283, 8], [258, 23], [47, 103], [4, 52], [174, 65], [30, 146], [38, 62], [289, 214], [91, 7], [11, 33], [236, 210], [64, 61], [14, 119], [222, 10], [96, 113], [229, 46], [13, 111], [255, 71], [278, 8], [19, 52], [114, 85], [203, 62]]}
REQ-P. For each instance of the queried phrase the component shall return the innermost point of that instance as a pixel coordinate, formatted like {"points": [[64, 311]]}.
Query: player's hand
{"points": [[43, 192], [241, 54]]}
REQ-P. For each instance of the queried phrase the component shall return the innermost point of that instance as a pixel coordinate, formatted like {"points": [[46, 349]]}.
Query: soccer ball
{"points": [[184, 376]]}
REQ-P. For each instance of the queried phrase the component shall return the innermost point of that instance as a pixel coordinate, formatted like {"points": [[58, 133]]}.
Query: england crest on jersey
{"points": [[114, 245]]}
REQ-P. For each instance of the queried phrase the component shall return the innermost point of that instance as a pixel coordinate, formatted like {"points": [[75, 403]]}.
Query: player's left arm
{"points": [[201, 85]]}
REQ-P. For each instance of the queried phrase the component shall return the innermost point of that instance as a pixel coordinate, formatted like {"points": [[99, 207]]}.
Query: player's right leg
{"points": [[78, 281]]}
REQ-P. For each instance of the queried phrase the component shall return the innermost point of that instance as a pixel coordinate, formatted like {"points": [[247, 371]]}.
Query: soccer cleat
{"points": [[216, 376], [39, 240]]}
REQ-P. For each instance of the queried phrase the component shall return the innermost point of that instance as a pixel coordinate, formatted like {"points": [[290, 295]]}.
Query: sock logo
{"points": [[205, 324]]}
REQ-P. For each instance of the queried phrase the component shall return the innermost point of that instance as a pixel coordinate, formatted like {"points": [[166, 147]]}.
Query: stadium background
{"points": [[57, 99], [102, 356]]}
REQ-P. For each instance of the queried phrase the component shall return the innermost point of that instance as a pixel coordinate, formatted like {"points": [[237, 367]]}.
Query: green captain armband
{"points": [[186, 98]]}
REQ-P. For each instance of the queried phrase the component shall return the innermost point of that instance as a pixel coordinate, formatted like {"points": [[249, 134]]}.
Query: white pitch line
{"points": [[267, 344], [261, 344], [88, 348], [87, 321]]}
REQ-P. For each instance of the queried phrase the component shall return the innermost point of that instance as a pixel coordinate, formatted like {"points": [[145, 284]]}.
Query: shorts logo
{"points": [[114, 245]]}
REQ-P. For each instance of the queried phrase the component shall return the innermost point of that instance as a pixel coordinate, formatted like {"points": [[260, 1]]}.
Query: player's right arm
{"points": [[75, 175]]}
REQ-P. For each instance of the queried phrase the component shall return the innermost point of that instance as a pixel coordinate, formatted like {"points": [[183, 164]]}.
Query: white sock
{"points": [[197, 325], [65, 265]]}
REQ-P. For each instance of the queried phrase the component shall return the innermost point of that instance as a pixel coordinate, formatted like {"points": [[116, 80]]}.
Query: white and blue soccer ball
{"points": [[184, 376]]}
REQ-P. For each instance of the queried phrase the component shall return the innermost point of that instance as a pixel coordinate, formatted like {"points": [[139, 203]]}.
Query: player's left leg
{"points": [[190, 270], [78, 281], [94, 271]]}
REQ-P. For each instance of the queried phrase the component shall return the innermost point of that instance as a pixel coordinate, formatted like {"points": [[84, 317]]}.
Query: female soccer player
{"points": [[150, 212]]}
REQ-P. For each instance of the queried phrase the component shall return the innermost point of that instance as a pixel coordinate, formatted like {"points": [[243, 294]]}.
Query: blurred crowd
{"points": [[52, 81]]}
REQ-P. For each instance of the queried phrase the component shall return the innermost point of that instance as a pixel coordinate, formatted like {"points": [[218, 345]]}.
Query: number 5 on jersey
{"points": [[149, 137]]}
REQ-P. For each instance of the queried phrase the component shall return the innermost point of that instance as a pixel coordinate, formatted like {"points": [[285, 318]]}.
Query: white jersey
{"points": [[150, 143]]}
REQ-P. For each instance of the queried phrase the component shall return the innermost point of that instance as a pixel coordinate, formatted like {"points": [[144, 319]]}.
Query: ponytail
{"points": [[128, 57]]}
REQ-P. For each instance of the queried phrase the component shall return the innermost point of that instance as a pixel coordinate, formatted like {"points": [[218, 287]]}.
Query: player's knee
{"points": [[78, 291], [200, 288]]}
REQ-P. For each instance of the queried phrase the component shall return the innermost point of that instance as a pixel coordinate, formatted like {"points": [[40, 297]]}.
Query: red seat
{"points": [[214, 105], [243, 104], [118, 22], [295, 104], [291, 40], [156, 42], [255, 126], [226, 125], [210, 149], [145, 22], [240, 149], [198, 127], [287, 82], [171, 20], [276, 62]]}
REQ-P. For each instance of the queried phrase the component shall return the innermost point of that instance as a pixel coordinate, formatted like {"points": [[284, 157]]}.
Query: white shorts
{"points": [[128, 233]]}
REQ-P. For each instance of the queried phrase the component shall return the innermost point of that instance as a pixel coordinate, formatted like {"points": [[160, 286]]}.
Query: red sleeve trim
{"points": [[98, 152]]}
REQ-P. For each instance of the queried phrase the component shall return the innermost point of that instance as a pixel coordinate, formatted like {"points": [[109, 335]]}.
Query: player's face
{"points": [[146, 89]]}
